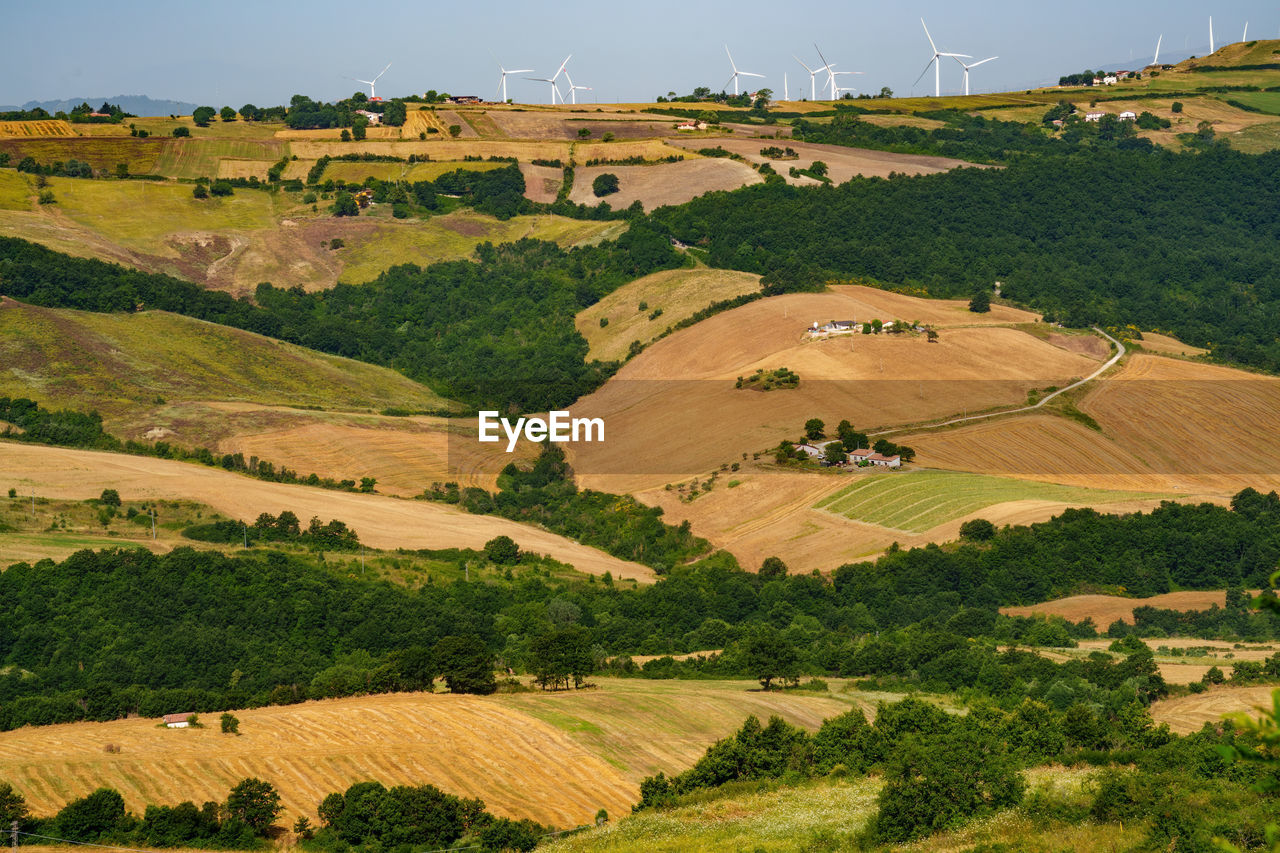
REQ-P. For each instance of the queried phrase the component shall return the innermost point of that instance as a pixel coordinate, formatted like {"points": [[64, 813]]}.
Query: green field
{"points": [[921, 500], [127, 363], [15, 191], [341, 170], [155, 210], [455, 236], [1267, 102], [198, 158], [1257, 139]]}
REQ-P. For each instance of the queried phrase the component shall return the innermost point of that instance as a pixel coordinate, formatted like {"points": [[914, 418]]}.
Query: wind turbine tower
{"points": [[1212, 49], [737, 73], [937, 66], [813, 89], [1156, 61]]}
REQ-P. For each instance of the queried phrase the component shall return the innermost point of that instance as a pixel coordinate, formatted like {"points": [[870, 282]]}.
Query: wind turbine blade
{"points": [[380, 73], [820, 56], [732, 78], [730, 55], [521, 71], [925, 71], [1159, 41], [976, 64], [802, 65], [929, 37], [749, 74], [965, 55]]}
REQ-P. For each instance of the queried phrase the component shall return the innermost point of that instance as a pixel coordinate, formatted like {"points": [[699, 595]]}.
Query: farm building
{"points": [[862, 454], [835, 327], [692, 125], [882, 461], [374, 119], [1128, 115], [177, 721], [1094, 116], [810, 450]]}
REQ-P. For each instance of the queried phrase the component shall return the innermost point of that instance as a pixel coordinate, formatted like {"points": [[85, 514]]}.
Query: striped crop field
{"points": [[99, 152], [42, 127], [200, 158], [919, 501]]}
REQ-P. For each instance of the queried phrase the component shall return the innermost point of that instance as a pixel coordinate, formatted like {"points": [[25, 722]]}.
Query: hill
{"points": [[1250, 55], [614, 323], [683, 386], [120, 364], [139, 105], [556, 758], [383, 522]]}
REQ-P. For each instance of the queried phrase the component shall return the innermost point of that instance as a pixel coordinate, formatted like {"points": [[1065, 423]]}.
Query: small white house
{"points": [[692, 125], [1094, 116], [811, 450], [177, 721], [882, 461], [374, 119], [1128, 115], [862, 454], [1110, 80]]}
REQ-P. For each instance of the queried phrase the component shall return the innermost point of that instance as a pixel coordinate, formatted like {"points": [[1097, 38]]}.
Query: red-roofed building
{"points": [[882, 461], [177, 721]]}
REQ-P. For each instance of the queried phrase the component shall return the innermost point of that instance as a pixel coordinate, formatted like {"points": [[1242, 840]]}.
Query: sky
{"points": [[234, 52]]}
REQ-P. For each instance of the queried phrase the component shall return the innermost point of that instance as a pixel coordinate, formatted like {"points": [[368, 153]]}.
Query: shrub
{"points": [[605, 184]]}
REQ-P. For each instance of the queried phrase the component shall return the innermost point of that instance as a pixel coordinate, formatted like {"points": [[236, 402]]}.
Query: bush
{"points": [[605, 184], [109, 497], [502, 550], [977, 530]]}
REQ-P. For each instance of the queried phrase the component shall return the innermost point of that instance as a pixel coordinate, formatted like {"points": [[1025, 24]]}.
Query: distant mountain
{"points": [[139, 105]]}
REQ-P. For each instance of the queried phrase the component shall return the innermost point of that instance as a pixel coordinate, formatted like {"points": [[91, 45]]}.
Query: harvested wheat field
{"points": [[842, 163], [1156, 408], [1165, 345], [1105, 609], [555, 758], [677, 294], [1186, 714], [406, 455], [663, 183], [381, 522], [436, 149], [673, 411]]}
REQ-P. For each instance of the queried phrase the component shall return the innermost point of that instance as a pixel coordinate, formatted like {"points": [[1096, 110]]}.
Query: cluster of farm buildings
{"points": [[857, 457], [843, 327]]}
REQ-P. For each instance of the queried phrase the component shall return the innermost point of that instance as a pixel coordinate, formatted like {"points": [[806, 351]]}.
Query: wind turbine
{"points": [[370, 83], [813, 89], [966, 70], [829, 67], [937, 66], [737, 73], [1156, 61], [836, 90], [502, 85], [555, 89], [1245, 37], [573, 90]]}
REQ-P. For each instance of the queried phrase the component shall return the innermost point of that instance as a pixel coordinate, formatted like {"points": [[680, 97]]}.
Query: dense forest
{"points": [[498, 333], [89, 639], [1178, 242]]}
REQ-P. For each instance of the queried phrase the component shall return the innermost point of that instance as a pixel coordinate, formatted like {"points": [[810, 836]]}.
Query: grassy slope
{"points": [[679, 293], [827, 814], [454, 236], [122, 363], [920, 501]]}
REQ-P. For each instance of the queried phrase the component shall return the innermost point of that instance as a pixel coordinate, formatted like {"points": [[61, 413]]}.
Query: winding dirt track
{"points": [[381, 522]]}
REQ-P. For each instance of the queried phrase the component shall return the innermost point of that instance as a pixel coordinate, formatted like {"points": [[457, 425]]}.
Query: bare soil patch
{"points": [[664, 183], [541, 183]]}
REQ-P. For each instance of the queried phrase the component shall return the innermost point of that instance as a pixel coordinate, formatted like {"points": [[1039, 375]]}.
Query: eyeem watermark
{"points": [[558, 427]]}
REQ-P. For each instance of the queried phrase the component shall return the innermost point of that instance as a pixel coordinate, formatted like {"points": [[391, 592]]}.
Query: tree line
{"points": [[92, 637], [1161, 240]]}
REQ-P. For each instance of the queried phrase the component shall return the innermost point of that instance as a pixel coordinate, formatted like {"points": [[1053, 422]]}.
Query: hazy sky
{"points": [[234, 51]]}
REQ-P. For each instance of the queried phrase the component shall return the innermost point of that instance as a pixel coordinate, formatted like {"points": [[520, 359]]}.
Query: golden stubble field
{"points": [[380, 521], [556, 758], [1105, 609], [1186, 714], [673, 411], [663, 183]]}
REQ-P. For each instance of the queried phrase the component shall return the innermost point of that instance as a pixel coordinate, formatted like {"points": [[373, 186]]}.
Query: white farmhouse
{"points": [[177, 721]]}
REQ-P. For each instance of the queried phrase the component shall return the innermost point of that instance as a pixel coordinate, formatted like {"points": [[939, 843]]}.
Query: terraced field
{"points": [[919, 501]]}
